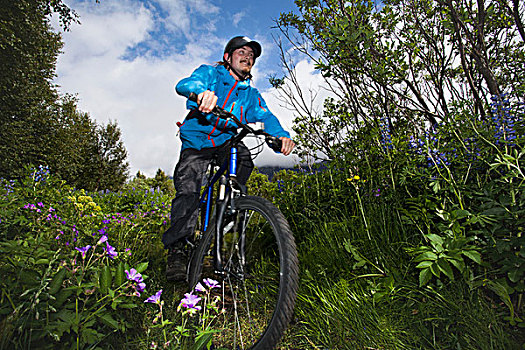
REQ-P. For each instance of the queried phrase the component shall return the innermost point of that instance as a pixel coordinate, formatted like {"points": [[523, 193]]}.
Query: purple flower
{"points": [[134, 276], [83, 250], [102, 239], [140, 287], [211, 283], [154, 299], [111, 251], [199, 288], [190, 301]]}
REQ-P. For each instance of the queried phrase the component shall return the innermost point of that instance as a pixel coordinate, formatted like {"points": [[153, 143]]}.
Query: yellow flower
{"points": [[356, 177]]}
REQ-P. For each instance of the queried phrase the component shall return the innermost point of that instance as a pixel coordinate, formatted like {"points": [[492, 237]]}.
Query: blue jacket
{"points": [[238, 97]]}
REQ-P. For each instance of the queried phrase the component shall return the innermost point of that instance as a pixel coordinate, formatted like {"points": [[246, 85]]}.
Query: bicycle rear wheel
{"points": [[259, 281]]}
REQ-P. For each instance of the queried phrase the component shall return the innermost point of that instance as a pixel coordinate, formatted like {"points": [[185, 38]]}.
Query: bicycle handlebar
{"points": [[272, 141]]}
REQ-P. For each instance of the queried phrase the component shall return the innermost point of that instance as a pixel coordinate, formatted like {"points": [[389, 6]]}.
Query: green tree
{"points": [[110, 165], [85, 154], [28, 53], [408, 62], [39, 126]]}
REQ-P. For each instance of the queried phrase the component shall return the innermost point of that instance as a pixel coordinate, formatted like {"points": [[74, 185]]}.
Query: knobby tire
{"points": [[258, 296]]}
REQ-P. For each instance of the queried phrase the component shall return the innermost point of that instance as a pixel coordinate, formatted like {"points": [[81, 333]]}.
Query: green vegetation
{"points": [[410, 234]]}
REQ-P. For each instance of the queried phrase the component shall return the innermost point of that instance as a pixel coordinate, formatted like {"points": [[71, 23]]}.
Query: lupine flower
{"points": [[83, 250], [154, 299], [386, 138], [503, 119], [41, 174], [211, 283]]}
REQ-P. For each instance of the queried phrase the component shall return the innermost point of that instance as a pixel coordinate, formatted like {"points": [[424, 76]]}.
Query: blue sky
{"points": [[124, 58]]}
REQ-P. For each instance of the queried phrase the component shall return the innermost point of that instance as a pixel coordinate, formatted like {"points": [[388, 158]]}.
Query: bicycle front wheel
{"points": [[259, 278]]}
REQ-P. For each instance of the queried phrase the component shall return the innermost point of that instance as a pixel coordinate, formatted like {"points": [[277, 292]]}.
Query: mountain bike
{"points": [[246, 244]]}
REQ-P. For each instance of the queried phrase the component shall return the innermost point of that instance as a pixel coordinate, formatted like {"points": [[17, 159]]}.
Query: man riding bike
{"points": [[204, 135]]}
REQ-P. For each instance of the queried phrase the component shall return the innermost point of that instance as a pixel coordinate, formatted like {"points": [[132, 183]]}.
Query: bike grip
{"points": [[275, 143], [193, 97]]}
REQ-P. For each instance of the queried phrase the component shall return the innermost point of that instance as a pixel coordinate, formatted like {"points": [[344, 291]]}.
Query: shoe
{"points": [[177, 262]]}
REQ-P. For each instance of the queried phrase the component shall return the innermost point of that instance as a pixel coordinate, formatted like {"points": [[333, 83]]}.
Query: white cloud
{"points": [[237, 17]]}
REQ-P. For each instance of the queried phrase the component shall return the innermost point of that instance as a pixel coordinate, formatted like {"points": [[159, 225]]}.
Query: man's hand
{"points": [[288, 145], [207, 101]]}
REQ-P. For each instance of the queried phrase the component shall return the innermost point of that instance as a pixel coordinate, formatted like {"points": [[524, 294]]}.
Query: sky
{"points": [[125, 57]]}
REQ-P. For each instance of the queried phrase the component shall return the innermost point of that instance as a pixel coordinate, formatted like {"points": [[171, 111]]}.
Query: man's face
{"points": [[242, 59]]}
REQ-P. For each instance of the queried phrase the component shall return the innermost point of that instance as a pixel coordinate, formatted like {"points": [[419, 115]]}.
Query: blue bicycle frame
{"points": [[207, 196]]}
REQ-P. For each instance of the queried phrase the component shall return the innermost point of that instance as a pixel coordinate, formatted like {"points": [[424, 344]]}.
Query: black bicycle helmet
{"points": [[240, 41]]}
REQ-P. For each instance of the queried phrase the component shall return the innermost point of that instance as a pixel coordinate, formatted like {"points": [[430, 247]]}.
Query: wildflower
{"points": [[154, 299], [112, 253], [83, 250], [140, 287], [134, 276], [199, 288], [190, 301], [102, 239], [211, 283]]}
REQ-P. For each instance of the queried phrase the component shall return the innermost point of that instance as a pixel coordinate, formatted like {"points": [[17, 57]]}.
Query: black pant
{"points": [[188, 178]]}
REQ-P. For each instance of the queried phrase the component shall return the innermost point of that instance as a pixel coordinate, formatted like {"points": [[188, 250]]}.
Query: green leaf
{"points": [[435, 239], [203, 340], [42, 262], [424, 276], [108, 320], [105, 279], [515, 275], [424, 264], [426, 256], [458, 263], [445, 267], [142, 267], [473, 255], [57, 280], [434, 268], [120, 275], [460, 213]]}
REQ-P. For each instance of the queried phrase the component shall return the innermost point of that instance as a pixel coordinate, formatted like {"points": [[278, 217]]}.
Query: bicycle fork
{"points": [[224, 201]]}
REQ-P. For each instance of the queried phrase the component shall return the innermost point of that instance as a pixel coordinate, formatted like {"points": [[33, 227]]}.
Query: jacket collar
{"points": [[227, 78]]}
